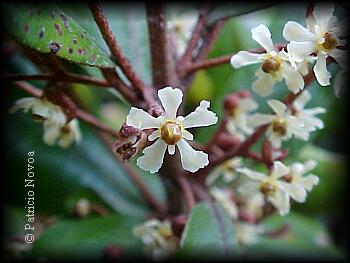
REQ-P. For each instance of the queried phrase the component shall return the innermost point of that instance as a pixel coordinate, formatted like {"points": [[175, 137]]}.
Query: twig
{"points": [[196, 34], [114, 47], [208, 63], [80, 114], [63, 77], [187, 191], [157, 27]]}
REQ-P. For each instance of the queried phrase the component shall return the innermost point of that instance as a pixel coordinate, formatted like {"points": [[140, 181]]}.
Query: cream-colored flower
{"points": [[237, 125], [227, 170], [297, 184], [158, 238], [275, 65], [56, 130], [253, 204], [269, 185], [171, 131], [282, 124], [247, 234], [41, 109], [307, 116], [322, 35], [224, 198]]}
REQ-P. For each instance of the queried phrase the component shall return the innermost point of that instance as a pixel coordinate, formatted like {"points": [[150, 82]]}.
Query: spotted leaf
{"points": [[46, 29]]}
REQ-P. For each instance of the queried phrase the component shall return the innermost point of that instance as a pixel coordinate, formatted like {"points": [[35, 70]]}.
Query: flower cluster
{"points": [[323, 38], [56, 128]]}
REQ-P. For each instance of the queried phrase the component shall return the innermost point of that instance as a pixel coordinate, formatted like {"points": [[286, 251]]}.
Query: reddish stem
{"points": [[80, 114], [114, 47], [64, 77]]}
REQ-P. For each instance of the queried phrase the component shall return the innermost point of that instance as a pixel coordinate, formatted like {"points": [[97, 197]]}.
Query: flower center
{"points": [[330, 42], [270, 65], [171, 132], [288, 178], [279, 127], [267, 188]]}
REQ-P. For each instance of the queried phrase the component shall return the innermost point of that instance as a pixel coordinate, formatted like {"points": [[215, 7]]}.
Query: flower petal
{"points": [[279, 169], [201, 116], [258, 119], [252, 174], [297, 192], [171, 99], [142, 120], [187, 135], [308, 182], [300, 102], [24, 103], [244, 58], [51, 132], [191, 159], [323, 13], [153, 156], [293, 78], [298, 51], [293, 31], [171, 149], [154, 135], [321, 73], [280, 200], [263, 85], [262, 35], [278, 107]]}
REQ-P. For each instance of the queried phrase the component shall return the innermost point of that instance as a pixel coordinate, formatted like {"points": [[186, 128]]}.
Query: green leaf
{"points": [[227, 10], [59, 172], [209, 232], [305, 238], [85, 239], [46, 29]]}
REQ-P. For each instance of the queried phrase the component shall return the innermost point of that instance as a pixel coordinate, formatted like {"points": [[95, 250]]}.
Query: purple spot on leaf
{"points": [[93, 58], [58, 28], [65, 20], [54, 47], [80, 51], [70, 50], [41, 34]]}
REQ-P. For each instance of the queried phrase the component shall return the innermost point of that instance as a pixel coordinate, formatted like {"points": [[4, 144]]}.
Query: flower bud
{"points": [[82, 208], [230, 102], [131, 142]]}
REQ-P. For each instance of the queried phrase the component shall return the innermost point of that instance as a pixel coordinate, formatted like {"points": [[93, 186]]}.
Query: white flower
{"points": [[226, 169], [41, 109], [296, 184], [247, 234], [171, 131], [275, 65], [237, 125], [269, 185], [307, 116], [54, 121], [282, 124], [158, 238], [322, 35], [224, 198], [64, 135]]}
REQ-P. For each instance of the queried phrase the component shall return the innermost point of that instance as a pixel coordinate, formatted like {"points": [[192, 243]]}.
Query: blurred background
{"points": [[88, 171]]}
